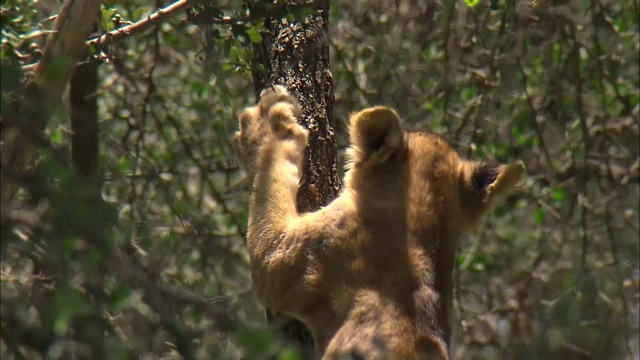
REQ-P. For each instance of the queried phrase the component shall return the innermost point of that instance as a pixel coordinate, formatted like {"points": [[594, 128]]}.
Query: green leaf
{"points": [[471, 3], [119, 297], [261, 69], [290, 354], [123, 165], [137, 15], [468, 93], [538, 216], [68, 303], [197, 316], [257, 343], [254, 35], [481, 263], [199, 88], [558, 195], [460, 259], [105, 18], [56, 137]]}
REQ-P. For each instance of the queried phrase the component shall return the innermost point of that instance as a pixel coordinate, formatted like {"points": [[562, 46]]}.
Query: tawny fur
{"points": [[370, 273]]}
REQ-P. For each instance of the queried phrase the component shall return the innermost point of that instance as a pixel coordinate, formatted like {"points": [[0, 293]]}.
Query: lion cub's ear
{"points": [[494, 182], [376, 135]]}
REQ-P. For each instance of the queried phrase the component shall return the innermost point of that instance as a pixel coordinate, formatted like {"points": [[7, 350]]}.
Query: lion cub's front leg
{"points": [[274, 143]]}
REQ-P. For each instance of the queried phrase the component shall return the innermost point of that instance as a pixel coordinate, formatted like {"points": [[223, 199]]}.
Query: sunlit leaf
{"points": [[106, 15]]}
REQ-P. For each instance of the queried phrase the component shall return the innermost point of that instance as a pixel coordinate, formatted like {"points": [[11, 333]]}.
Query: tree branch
{"points": [[65, 46], [137, 27], [142, 25], [44, 90]]}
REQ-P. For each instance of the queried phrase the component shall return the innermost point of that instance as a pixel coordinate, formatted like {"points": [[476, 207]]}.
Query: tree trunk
{"points": [[84, 118], [43, 92], [296, 55]]}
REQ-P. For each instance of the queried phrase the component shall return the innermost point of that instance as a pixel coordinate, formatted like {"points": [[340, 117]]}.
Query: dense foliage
{"points": [[553, 274]]}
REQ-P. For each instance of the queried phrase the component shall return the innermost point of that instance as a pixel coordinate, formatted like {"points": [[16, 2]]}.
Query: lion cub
{"points": [[370, 273]]}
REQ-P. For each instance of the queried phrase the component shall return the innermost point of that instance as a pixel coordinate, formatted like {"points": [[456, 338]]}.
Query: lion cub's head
{"points": [[439, 179]]}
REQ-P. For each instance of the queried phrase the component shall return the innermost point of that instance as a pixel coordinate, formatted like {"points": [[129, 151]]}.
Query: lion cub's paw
{"points": [[276, 94], [282, 110]]}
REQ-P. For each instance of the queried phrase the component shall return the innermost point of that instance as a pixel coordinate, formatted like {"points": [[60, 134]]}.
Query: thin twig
{"points": [[142, 25], [534, 113], [586, 141], [121, 33]]}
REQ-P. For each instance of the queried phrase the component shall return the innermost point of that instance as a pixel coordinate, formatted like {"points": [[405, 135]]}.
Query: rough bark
{"points": [[296, 55]]}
